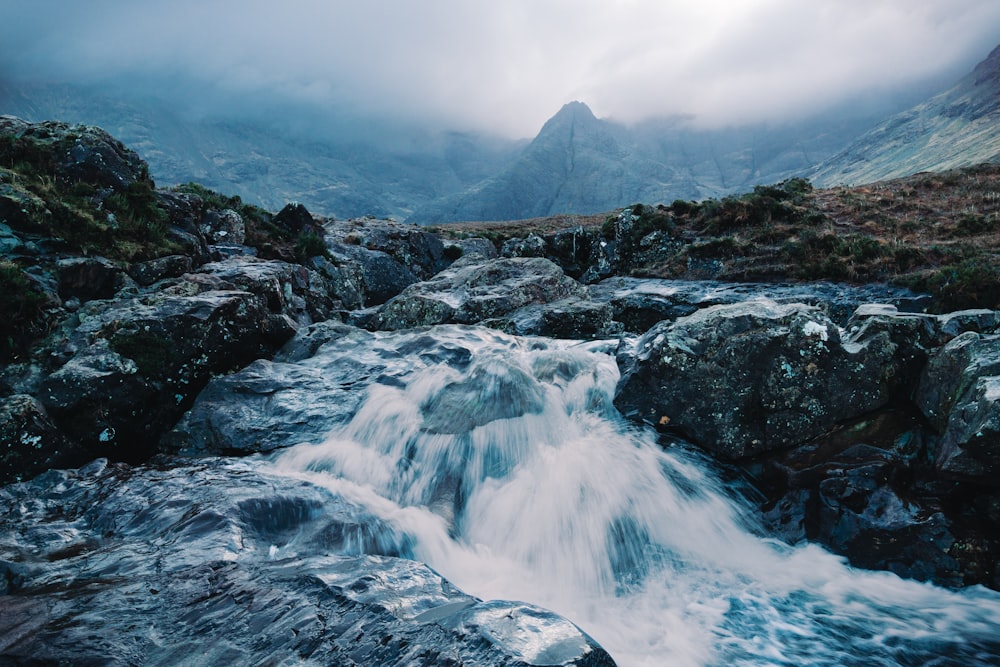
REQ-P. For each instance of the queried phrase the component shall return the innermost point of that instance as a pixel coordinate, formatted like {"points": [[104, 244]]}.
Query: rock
{"points": [[530, 246], [295, 219], [476, 246], [20, 208], [382, 277], [472, 290], [319, 379], [171, 266], [743, 379], [860, 492], [573, 318], [29, 442], [250, 567], [418, 251], [225, 227], [139, 364], [959, 393], [640, 303], [290, 289], [87, 278]]}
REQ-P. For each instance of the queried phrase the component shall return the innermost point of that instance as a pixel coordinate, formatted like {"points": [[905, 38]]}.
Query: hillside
{"points": [[938, 233], [958, 128]]}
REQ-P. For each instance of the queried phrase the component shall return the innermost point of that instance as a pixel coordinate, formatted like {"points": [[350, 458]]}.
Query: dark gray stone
{"points": [[748, 378], [472, 290]]}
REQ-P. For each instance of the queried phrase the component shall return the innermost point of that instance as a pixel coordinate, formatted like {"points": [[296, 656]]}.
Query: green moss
{"points": [[153, 354], [21, 311], [310, 244], [973, 282]]}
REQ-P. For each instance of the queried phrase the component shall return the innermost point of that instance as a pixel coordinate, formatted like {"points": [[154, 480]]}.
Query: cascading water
{"points": [[513, 475]]}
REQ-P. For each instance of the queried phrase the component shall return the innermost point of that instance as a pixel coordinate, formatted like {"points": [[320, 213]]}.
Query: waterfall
{"points": [[515, 478]]}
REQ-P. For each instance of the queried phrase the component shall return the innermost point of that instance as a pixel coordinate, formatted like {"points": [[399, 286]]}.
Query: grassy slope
{"points": [[938, 232]]}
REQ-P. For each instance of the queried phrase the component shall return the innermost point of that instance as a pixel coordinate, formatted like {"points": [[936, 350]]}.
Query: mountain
{"points": [[343, 167], [579, 164], [957, 128]]}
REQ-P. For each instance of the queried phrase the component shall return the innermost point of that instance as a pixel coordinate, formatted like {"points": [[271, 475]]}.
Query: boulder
{"points": [[959, 392], [477, 245], [572, 318], [30, 442], [295, 219], [151, 271], [420, 252], [866, 492], [472, 290], [529, 246], [743, 379], [380, 275], [139, 363], [225, 227], [640, 303], [289, 289], [87, 278]]}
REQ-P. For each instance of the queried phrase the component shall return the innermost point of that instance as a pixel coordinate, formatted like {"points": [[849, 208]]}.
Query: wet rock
{"points": [[641, 303], [322, 376], [573, 318], [472, 290], [959, 393], [250, 567], [29, 442], [418, 251], [139, 363], [381, 276], [289, 289], [316, 382], [752, 377]]}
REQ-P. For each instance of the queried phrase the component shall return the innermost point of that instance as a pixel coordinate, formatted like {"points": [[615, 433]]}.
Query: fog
{"points": [[503, 67]]}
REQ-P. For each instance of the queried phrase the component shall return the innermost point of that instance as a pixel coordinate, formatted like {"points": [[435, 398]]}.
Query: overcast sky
{"points": [[508, 65]]}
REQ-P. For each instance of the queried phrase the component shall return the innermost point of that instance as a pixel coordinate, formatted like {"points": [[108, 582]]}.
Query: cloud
{"points": [[507, 66]]}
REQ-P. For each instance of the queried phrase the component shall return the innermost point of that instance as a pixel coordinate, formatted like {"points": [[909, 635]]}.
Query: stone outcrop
{"points": [[472, 290], [744, 379], [959, 393]]}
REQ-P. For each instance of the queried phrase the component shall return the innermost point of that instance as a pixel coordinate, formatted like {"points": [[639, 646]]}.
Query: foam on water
{"points": [[517, 479]]}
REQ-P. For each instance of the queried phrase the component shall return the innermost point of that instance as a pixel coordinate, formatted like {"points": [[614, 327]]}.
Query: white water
{"points": [[568, 507]]}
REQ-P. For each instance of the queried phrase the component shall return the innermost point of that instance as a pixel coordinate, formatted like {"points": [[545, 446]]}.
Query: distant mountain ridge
{"points": [[957, 128], [341, 172], [579, 164]]}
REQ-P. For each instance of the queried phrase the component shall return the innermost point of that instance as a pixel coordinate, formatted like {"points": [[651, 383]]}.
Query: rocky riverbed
{"points": [[172, 355]]}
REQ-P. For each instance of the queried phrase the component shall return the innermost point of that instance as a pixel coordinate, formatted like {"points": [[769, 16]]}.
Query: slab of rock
{"points": [[249, 568], [639, 303]]}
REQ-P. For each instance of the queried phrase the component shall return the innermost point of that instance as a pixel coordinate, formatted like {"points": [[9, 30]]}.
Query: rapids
{"points": [[512, 474]]}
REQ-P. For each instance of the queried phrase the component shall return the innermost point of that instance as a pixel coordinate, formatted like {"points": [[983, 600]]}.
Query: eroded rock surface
{"points": [[248, 568]]}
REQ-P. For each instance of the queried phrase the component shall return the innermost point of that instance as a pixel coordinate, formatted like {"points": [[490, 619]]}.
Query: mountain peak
{"points": [[575, 110]]}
